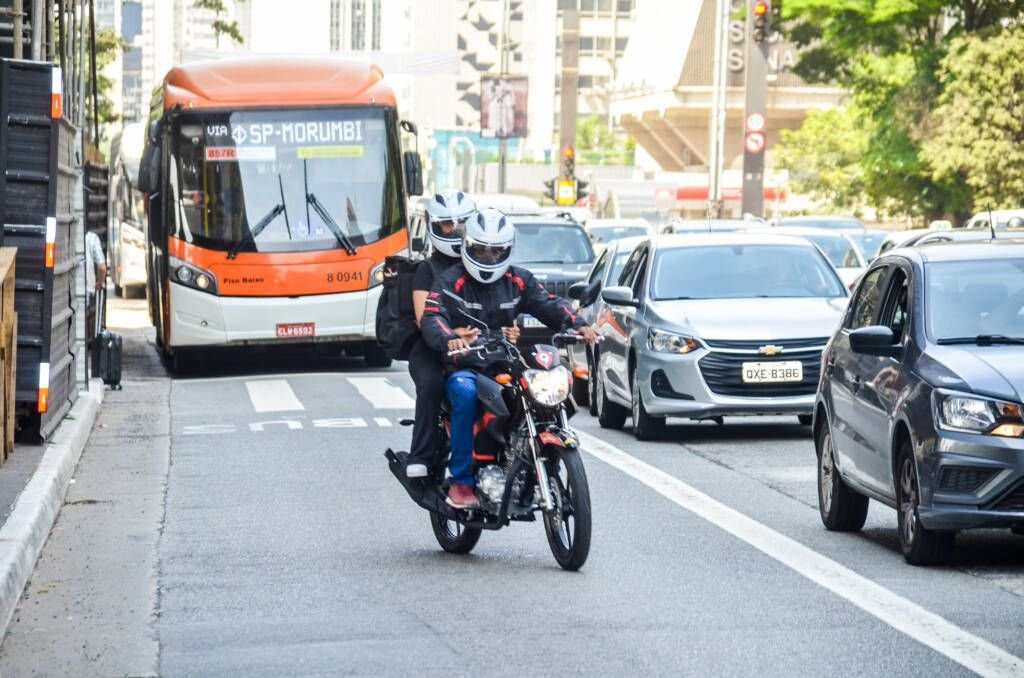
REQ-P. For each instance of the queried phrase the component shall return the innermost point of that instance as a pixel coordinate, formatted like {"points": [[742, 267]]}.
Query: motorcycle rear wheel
{"points": [[568, 524], [453, 536]]}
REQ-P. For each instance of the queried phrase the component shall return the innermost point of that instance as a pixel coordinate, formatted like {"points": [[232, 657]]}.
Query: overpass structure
{"points": [[663, 95]]}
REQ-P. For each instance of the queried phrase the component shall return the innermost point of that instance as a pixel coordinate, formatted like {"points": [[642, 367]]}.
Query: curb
{"points": [[23, 535]]}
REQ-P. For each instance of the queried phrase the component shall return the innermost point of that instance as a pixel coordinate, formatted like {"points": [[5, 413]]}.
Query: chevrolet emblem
{"points": [[770, 349]]}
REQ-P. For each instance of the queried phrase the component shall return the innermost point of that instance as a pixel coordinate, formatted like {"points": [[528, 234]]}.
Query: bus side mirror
{"points": [[149, 170], [413, 173]]}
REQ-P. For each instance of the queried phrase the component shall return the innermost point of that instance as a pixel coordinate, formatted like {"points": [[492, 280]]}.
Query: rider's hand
{"points": [[468, 334], [588, 334], [457, 344], [511, 333]]}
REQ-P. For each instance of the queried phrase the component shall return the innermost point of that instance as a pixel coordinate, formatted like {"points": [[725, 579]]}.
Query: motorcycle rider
{"points": [[447, 213], [495, 292]]}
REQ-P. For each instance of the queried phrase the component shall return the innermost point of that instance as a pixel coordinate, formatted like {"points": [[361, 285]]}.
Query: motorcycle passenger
{"points": [[447, 213], [494, 292]]}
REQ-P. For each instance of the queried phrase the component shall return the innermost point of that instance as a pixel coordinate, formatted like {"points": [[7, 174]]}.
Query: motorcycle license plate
{"points": [[296, 329], [530, 321], [773, 372]]}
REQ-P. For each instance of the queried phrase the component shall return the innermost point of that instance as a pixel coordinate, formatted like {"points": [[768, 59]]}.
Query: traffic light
{"points": [[568, 162], [761, 9], [550, 192], [581, 189]]}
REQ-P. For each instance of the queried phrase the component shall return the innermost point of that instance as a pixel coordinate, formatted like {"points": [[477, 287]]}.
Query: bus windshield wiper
{"points": [[256, 230], [983, 340], [331, 223]]}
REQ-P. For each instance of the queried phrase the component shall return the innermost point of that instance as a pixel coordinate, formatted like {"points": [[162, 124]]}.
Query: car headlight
{"points": [[548, 387], [192, 276], [666, 342], [970, 414]]}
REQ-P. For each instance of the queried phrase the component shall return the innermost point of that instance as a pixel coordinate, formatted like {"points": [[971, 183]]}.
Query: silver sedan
{"points": [[702, 326]]}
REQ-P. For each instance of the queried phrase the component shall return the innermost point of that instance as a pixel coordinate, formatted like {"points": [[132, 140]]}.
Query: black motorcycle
{"points": [[526, 458]]}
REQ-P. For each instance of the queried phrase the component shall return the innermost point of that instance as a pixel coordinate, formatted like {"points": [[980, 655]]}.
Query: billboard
{"points": [[503, 106]]}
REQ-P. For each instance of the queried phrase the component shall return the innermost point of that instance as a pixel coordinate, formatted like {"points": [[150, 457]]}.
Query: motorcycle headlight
{"points": [[971, 414], [667, 342], [548, 387]]}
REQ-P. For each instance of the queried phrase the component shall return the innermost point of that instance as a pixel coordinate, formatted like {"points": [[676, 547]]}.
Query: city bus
{"points": [[276, 188], [126, 244]]}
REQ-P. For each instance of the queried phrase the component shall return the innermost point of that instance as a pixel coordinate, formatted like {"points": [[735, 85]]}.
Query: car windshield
{"points": [[609, 233], [868, 242], [552, 244], [972, 298], [743, 271], [838, 249], [274, 180]]}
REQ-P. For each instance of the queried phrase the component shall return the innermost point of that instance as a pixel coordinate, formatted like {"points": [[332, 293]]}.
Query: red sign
{"points": [[296, 329], [754, 142]]}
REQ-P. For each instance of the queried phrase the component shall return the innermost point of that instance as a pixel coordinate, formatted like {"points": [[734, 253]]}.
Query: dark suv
{"points": [[921, 400], [558, 253]]}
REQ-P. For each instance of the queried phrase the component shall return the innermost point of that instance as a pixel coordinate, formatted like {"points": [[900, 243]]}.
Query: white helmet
{"points": [[487, 245], [448, 206]]}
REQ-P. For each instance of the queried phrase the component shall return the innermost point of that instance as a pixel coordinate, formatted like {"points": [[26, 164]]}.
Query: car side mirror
{"points": [[619, 296], [874, 340], [413, 173], [577, 290]]}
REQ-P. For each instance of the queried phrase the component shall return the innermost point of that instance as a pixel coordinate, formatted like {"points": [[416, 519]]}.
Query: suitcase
{"points": [[107, 348]]}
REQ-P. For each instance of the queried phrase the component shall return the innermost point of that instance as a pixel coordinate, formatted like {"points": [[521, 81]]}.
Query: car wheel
{"points": [[920, 545], [841, 509], [580, 391], [592, 384], [609, 414], [645, 427]]}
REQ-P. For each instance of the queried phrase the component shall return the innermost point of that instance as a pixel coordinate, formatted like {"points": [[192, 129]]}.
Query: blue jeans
{"points": [[461, 391]]}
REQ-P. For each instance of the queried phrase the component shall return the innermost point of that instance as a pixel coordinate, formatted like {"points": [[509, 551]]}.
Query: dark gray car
{"points": [[920, 401]]}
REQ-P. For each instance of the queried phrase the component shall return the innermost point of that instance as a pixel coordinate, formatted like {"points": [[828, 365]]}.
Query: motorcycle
{"points": [[526, 458]]}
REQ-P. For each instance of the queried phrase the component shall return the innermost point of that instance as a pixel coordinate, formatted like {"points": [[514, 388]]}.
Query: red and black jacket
{"points": [[498, 304]]}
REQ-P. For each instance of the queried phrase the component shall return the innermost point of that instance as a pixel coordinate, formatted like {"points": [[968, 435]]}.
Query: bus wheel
{"points": [[374, 355]]}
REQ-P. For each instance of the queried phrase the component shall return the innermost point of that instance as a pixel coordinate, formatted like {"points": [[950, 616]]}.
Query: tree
{"points": [[221, 27], [108, 46], [887, 53], [978, 137]]}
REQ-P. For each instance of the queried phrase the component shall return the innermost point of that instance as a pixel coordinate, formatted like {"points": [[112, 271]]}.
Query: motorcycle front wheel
{"points": [[453, 536], [567, 524]]}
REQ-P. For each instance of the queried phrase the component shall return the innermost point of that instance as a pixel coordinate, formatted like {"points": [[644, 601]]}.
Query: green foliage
{"points": [[979, 124], [822, 157], [108, 45], [890, 55], [597, 144], [221, 27]]}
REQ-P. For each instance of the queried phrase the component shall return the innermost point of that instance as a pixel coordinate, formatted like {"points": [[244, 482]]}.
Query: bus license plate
{"points": [[296, 329], [766, 373]]}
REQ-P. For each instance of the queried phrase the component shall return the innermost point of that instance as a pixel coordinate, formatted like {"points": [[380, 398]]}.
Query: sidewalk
{"points": [[34, 482]]}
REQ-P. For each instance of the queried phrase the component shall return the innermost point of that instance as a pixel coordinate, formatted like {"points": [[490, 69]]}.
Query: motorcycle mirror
{"points": [[464, 308]]}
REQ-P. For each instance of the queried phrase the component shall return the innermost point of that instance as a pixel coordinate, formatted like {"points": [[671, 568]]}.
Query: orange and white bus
{"points": [[276, 187]]}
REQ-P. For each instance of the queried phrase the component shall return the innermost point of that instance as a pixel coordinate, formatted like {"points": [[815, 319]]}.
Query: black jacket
{"points": [[497, 304]]}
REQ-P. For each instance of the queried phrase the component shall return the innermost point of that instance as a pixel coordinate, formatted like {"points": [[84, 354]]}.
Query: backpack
{"points": [[396, 321]]}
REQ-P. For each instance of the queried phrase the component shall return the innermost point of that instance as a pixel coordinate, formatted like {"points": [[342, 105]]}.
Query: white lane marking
{"points": [[272, 395], [381, 421], [382, 394], [927, 628]]}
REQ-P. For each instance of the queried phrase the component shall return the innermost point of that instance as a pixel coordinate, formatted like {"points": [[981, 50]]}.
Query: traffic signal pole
{"points": [[754, 123], [570, 75], [503, 142]]}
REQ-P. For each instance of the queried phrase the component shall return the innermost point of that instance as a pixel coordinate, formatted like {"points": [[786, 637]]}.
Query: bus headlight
{"points": [[376, 275], [192, 276], [548, 387]]}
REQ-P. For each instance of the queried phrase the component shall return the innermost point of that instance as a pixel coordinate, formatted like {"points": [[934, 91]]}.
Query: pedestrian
{"points": [[447, 213], [497, 292], [95, 280]]}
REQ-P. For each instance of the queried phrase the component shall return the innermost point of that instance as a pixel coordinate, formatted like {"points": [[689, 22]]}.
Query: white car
{"points": [[1000, 218], [603, 231], [841, 251]]}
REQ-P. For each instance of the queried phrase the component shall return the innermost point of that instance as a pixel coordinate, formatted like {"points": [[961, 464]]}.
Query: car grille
{"points": [[723, 374], [963, 478], [754, 345], [1011, 501], [559, 288]]}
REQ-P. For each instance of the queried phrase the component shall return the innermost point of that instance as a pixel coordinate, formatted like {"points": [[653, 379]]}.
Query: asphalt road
{"points": [[245, 523]]}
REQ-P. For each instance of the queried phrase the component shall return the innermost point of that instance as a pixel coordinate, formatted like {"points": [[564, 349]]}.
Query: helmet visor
{"points": [[487, 255], [448, 228]]}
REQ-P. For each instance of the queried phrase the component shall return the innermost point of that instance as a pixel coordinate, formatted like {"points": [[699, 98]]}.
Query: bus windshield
{"points": [[284, 180]]}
